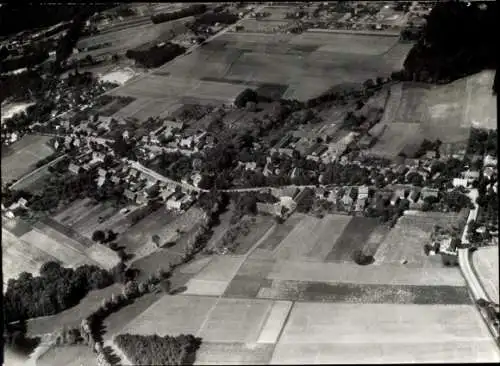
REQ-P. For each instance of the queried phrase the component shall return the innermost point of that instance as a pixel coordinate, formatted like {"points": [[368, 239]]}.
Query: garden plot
{"points": [[141, 233], [277, 12], [353, 273], [221, 92], [275, 322], [352, 237], [280, 232], [328, 333], [485, 261], [135, 107], [176, 230], [155, 108], [481, 108], [89, 222], [25, 153], [74, 212]]}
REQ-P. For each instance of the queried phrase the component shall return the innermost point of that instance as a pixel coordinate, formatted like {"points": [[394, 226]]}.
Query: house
{"points": [[470, 175], [102, 172], [141, 199], [365, 142], [166, 194], [73, 168], [430, 154], [363, 192], [115, 179], [267, 208], [414, 195], [460, 182], [196, 178], [285, 151], [360, 204], [489, 172], [347, 199], [129, 194], [429, 192], [490, 161]]}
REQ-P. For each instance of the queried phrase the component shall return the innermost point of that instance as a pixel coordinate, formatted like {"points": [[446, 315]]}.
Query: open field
{"points": [[340, 333], [480, 110], [25, 153], [308, 64], [280, 232], [71, 317], [19, 256], [263, 26], [67, 355], [395, 137], [407, 238], [485, 262]]}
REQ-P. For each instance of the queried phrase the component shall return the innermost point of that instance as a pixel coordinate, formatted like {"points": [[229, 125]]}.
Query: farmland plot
{"points": [[257, 232], [347, 43], [156, 87], [215, 353], [353, 273], [64, 252], [280, 232], [480, 109], [327, 333], [353, 237], [25, 154], [485, 261], [362, 293], [263, 26], [395, 137], [76, 355]]}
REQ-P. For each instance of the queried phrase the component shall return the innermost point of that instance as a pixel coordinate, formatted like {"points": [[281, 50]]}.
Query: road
{"points": [[188, 51], [464, 261]]}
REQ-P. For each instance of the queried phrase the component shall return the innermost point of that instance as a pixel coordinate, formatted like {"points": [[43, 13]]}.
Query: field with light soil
{"points": [[347, 333], [485, 262]]}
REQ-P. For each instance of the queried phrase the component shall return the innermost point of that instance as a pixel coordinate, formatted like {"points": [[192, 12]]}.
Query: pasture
{"points": [[347, 333], [25, 153], [485, 262]]}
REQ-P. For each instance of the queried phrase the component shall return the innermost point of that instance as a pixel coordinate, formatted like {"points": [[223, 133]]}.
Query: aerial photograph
{"points": [[249, 183]]}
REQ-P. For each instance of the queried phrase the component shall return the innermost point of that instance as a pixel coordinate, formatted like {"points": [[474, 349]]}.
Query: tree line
{"points": [[182, 13], [155, 56]]}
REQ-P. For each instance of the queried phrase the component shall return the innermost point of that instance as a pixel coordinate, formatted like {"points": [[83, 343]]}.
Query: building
{"points": [[429, 192], [360, 204], [266, 208], [363, 192], [73, 168], [490, 161], [414, 195], [460, 182]]}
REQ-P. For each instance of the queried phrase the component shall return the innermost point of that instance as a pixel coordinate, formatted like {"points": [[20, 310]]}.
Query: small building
{"points": [[490, 161], [429, 192], [129, 194], [489, 172], [460, 182], [102, 172], [470, 175], [73, 168], [363, 192], [360, 204]]}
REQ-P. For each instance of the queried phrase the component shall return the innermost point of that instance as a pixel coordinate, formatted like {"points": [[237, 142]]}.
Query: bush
{"points": [[362, 259], [156, 350]]}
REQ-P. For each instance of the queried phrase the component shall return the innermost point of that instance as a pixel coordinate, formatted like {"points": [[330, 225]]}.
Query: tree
{"points": [[98, 236], [156, 239]]}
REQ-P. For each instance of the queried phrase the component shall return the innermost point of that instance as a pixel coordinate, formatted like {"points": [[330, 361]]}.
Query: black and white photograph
{"points": [[249, 183]]}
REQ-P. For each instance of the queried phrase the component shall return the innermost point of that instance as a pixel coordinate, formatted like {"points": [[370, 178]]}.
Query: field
{"points": [[346, 333], [481, 109], [71, 317], [263, 26], [407, 238], [485, 261], [306, 65], [68, 356], [257, 231], [416, 111], [25, 153]]}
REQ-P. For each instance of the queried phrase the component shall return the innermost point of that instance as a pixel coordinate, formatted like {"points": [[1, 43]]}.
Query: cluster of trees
{"points": [[155, 56], [362, 259], [23, 86], [191, 10], [16, 17], [20, 122], [27, 60], [209, 19], [482, 142], [56, 289], [156, 350], [458, 40]]}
